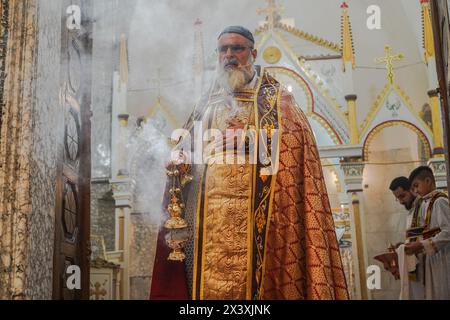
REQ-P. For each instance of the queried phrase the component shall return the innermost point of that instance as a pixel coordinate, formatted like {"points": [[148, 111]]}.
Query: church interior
{"points": [[90, 92]]}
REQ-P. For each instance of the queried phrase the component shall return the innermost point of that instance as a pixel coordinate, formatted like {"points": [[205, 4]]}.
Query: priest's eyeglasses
{"points": [[235, 48]]}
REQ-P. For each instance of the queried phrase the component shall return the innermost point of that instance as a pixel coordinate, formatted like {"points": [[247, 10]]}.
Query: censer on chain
{"points": [[176, 239]]}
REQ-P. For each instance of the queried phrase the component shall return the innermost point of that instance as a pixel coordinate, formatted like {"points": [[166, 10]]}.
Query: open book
{"points": [[390, 262]]}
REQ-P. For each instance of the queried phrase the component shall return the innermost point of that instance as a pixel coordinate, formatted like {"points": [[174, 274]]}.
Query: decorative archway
{"points": [[310, 110], [372, 134]]}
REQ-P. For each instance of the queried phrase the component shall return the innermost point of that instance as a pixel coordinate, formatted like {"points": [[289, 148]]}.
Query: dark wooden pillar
{"points": [[72, 230], [441, 28]]}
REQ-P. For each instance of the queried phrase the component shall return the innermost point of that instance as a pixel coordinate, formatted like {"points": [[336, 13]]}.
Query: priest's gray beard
{"points": [[233, 79]]}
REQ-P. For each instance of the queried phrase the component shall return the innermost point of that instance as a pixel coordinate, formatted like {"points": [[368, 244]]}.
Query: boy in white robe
{"points": [[432, 245]]}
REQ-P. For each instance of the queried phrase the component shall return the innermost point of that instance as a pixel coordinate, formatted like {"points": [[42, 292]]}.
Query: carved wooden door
{"points": [[72, 229]]}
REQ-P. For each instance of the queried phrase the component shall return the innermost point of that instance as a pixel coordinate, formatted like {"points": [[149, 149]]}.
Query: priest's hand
{"points": [[177, 158], [235, 124], [414, 248], [229, 140]]}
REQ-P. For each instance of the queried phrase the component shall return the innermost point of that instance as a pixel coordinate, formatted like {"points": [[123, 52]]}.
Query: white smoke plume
{"points": [[148, 152]]}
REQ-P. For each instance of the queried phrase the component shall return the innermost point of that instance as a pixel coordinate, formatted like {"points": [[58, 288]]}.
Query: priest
{"points": [[259, 226]]}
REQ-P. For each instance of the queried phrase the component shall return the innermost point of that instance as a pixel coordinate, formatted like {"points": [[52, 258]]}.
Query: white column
{"points": [[353, 169], [123, 189]]}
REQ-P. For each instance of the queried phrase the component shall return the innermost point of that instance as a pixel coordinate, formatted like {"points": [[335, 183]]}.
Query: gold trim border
{"points": [[302, 35], [272, 190]]}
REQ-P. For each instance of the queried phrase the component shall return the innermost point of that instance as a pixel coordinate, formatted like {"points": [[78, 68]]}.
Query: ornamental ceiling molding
{"points": [[319, 86], [333, 169], [302, 35], [301, 66], [326, 125], [300, 82], [439, 166], [374, 109], [353, 170], [332, 133]]}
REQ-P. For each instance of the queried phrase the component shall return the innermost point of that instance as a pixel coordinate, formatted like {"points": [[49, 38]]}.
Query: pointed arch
{"points": [[374, 132]]}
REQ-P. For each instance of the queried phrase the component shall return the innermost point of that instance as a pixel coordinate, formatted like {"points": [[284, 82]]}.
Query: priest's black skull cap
{"points": [[239, 30]]}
